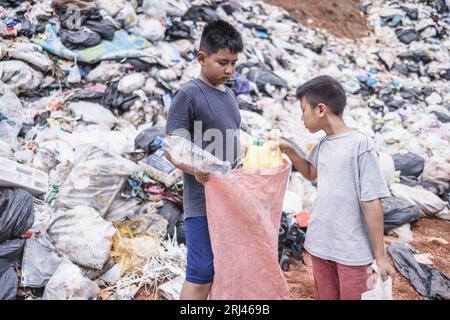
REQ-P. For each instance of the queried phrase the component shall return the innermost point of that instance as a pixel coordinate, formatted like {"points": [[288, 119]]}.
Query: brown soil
{"points": [[342, 18], [301, 281]]}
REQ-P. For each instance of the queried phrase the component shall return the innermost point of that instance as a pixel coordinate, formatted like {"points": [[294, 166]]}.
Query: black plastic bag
{"points": [[145, 139], [79, 39], [398, 212], [10, 3], [16, 213], [197, 13], [407, 35], [409, 164], [263, 76], [412, 13], [115, 100], [10, 254], [178, 31], [104, 28], [427, 281], [181, 235], [172, 214]]}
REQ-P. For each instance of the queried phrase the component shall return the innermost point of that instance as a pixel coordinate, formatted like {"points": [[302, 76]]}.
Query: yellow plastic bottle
{"points": [[262, 156]]}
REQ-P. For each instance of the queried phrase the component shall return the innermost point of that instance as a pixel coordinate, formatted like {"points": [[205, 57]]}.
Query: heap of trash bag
{"points": [[90, 207]]}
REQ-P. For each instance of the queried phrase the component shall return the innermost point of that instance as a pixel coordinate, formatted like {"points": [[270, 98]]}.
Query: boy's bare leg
{"points": [[193, 291]]}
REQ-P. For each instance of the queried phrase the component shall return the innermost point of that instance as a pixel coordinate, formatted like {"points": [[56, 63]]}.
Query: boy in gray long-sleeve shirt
{"points": [[345, 233]]}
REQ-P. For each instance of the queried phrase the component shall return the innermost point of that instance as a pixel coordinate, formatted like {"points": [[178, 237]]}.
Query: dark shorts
{"points": [[199, 269]]}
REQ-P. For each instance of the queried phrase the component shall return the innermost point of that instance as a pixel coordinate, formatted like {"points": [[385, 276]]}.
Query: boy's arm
{"points": [[299, 162], [373, 214]]}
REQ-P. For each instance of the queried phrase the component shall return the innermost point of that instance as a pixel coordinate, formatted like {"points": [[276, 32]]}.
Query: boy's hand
{"points": [[281, 143], [201, 176], [384, 268]]}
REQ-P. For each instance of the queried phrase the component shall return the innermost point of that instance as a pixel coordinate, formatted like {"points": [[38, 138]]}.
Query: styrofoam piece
{"points": [[13, 174]]}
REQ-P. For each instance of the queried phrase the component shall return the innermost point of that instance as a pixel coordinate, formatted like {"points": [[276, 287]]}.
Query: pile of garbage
{"points": [[88, 200]]}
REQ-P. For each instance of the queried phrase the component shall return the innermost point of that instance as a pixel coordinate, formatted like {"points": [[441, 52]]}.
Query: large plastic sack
{"points": [[398, 212], [52, 152], [39, 263], [10, 254], [31, 54], [130, 83], [94, 180], [409, 164], [93, 112], [16, 213], [151, 28], [68, 283], [82, 235], [428, 203], [427, 281], [437, 170], [18, 75], [11, 107], [244, 214]]}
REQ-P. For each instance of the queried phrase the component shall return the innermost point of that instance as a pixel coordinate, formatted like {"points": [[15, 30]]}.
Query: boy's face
{"points": [[218, 67], [311, 117]]}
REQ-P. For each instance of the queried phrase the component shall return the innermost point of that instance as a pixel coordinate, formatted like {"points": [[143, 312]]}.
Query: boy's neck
{"points": [[336, 125], [220, 87]]}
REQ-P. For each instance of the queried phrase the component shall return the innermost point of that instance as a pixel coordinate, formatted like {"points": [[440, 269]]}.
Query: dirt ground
{"points": [[342, 18], [301, 282], [300, 277]]}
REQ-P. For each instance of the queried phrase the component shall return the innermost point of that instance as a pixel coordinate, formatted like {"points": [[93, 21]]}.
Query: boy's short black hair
{"points": [[326, 90], [218, 35]]}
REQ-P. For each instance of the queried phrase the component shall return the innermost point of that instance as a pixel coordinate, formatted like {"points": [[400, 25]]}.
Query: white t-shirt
{"points": [[347, 174]]}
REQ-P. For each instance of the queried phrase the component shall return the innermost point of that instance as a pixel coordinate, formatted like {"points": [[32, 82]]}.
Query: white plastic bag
{"points": [[68, 283], [82, 235], [382, 290]]}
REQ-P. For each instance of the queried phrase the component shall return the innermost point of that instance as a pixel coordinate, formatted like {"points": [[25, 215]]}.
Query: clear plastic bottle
{"points": [[183, 151]]}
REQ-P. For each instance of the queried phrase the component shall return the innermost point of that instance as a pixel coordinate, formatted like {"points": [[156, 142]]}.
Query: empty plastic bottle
{"points": [[183, 151]]}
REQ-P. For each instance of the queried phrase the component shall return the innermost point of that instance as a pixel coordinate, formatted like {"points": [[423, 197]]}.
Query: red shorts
{"points": [[335, 281]]}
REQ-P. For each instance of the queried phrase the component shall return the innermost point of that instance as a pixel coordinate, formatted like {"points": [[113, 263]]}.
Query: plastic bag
{"points": [[137, 241], [39, 264], [16, 213], [94, 180], [82, 235], [248, 229], [428, 203], [74, 74], [146, 139], [19, 75], [130, 83], [9, 130], [427, 281], [31, 54], [52, 152], [172, 213], [93, 112], [382, 290], [10, 254], [409, 164], [398, 212], [68, 283]]}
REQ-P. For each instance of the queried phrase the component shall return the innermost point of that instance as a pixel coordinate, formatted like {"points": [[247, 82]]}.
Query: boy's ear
{"points": [[201, 56], [322, 110]]}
